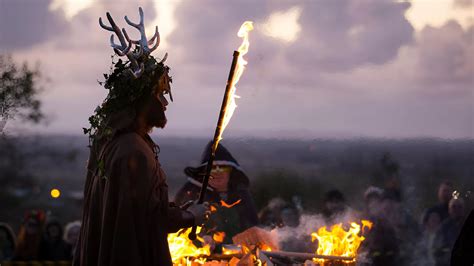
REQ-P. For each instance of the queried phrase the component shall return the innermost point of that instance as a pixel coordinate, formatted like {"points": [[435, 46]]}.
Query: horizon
{"points": [[262, 136]]}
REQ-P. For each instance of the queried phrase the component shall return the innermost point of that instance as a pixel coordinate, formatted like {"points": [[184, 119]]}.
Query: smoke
{"points": [[394, 231], [298, 238]]}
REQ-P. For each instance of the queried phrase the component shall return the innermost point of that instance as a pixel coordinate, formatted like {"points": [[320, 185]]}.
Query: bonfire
{"points": [[338, 245]]}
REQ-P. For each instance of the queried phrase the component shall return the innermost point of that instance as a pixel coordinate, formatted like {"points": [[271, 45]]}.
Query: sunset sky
{"points": [[326, 68]]}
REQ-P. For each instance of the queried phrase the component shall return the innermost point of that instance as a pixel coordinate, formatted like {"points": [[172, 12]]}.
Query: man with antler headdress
{"points": [[127, 215]]}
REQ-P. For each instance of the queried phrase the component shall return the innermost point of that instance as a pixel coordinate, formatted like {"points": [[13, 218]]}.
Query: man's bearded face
{"points": [[157, 117]]}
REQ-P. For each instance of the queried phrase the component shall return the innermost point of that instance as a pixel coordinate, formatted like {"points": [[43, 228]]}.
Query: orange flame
{"points": [[232, 250], [219, 237], [251, 258], [339, 242], [244, 30], [181, 248], [225, 204]]}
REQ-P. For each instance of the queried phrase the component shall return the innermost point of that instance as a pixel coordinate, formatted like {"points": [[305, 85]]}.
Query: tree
{"points": [[19, 89]]}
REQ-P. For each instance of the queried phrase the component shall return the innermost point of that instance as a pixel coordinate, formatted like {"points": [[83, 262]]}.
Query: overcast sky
{"points": [[327, 68]]}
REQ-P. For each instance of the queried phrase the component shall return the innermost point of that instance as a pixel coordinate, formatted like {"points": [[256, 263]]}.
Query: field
{"points": [[31, 166]]}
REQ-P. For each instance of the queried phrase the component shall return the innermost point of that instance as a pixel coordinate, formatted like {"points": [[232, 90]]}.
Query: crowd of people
{"points": [[396, 238], [40, 238]]}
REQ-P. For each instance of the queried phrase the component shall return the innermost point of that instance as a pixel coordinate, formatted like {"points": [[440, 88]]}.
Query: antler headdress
{"points": [[142, 46], [128, 83]]}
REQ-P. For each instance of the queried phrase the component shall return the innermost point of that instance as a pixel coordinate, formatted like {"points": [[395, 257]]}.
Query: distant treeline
{"points": [[31, 166]]}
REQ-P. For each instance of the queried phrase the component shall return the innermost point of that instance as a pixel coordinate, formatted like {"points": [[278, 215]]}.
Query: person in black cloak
{"points": [[7, 242], [441, 209], [228, 192], [53, 247], [127, 215], [29, 236], [381, 244], [448, 232], [334, 205], [462, 251]]}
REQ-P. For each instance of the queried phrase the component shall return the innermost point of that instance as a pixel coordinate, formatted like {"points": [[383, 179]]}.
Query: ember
{"points": [[219, 237], [225, 204]]}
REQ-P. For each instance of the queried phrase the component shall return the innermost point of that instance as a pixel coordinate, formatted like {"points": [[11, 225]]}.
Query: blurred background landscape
{"points": [[277, 168], [337, 95]]}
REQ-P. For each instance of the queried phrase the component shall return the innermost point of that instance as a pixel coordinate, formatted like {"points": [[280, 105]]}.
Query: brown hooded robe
{"points": [[127, 216]]}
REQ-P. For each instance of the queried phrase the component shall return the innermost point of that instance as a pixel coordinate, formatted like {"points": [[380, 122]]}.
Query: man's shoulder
{"points": [[131, 143]]}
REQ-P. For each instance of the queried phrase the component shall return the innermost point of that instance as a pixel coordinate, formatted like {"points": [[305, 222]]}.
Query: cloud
{"points": [[24, 24], [446, 54], [283, 25], [341, 35], [355, 68], [463, 3], [333, 36], [70, 7]]}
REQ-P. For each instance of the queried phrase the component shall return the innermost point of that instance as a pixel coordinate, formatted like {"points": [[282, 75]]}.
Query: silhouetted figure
{"points": [[392, 182], [127, 215], [29, 236], [280, 213], [285, 217], [445, 191], [290, 216], [381, 245], [334, 205], [431, 221], [406, 228], [463, 250], [372, 198], [71, 234], [270, 215], [7, 242], [229, 185], [430, 224], [53, 247], [448, 232]]}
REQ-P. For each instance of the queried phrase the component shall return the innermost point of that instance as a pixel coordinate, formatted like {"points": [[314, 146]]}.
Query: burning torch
{"points": [[228, 105]]}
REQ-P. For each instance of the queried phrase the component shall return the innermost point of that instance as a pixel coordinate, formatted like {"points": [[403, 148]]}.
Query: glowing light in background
{"points": [[70, 7], [283, 25], [55, 193], [456, 194]]}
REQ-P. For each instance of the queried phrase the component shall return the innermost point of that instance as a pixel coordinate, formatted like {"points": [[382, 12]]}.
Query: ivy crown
{"points": [[125, 91]]}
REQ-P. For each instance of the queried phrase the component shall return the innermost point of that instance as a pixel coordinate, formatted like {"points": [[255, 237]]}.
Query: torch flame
{"points": [[244, 30], [181, 247], [340, 242]]}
